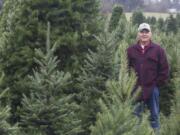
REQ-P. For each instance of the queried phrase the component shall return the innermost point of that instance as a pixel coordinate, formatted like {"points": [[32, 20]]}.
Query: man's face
{"points": [[144, 35]]}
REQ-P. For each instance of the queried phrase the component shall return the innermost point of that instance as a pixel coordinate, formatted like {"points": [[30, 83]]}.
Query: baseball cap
{"points": [[143, 26]]}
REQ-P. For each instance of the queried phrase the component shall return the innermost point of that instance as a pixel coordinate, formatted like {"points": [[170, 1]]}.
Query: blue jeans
{"points": [[153, 105]]}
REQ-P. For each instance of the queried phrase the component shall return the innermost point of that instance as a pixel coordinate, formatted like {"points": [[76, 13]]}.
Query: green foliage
{"points": [[48, 109], [91, 66], [5, 127], [171, 24], [172, 47], [137, 17], [151, 20], [97, 69], [170, 125], [115, 17], [178, 20], [23, 29], [160, 24], [130, 34]]}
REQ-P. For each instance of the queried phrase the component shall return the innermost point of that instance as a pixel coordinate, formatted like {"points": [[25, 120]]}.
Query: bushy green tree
{"points": [[161, 24], [48, 110], [172, 47], [96, 70], [171, 24], [153, 20], [115, 17], [130, 34], [23, 28], [5, 127], [178, 20], [170, 125], [137, 17]]}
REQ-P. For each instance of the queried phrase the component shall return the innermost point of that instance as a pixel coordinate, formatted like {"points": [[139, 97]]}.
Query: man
{"points": [[150, 64]]}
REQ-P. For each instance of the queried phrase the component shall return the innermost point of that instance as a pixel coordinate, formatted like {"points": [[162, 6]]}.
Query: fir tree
{"points": [[97, 69], [130, 34], [5, 127], [137, 17], [169, 94], [115, 17], [178, 20], [171, 24], [48, 110], [23, 29], [151, 20], [172, 48], [160, 24], [170, 125]]}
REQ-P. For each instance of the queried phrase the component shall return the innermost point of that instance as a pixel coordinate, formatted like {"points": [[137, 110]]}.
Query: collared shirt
{"points": [[150, 65]]}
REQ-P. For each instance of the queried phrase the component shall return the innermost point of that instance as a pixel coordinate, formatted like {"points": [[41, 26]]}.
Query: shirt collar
{"points": [[138, 46]]}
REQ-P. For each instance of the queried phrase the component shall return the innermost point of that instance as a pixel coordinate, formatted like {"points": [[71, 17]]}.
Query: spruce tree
{"points": [[169, 94], [96, 70], [170, 125], [151, 20], [178, 20], [23, 29], [115, 17], [172, 48], [5, 127], [130, 34], [171, 24], [48, 110], [161, 24], [137, 17]]}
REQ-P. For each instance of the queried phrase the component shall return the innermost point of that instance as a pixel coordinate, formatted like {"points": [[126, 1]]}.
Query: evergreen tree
{"points": [[170, 125], [48, 110], [130, 34], [97, 69], [171, 45], [5, 127], [171, 24], [160, 24], [116, 116], [178, 20], [22, 29], [137, 17], [115, 17], [151, 20], [121, 28]]}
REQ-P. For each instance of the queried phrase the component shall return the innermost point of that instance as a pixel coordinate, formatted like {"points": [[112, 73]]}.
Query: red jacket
{"points": [[151, 66]]}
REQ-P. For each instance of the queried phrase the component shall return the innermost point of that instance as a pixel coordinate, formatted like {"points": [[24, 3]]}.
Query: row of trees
{"points": [[127, 4], [145, 5], [169, 25], [64, 71]]}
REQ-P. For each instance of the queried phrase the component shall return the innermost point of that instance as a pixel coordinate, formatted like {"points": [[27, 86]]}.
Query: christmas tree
{"points": [[95, 72], [48, 110], [23, 29], [5, 127]]}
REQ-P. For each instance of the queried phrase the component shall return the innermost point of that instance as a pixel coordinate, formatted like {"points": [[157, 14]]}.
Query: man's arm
{"points": [[163, 69], [128, 58]]}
